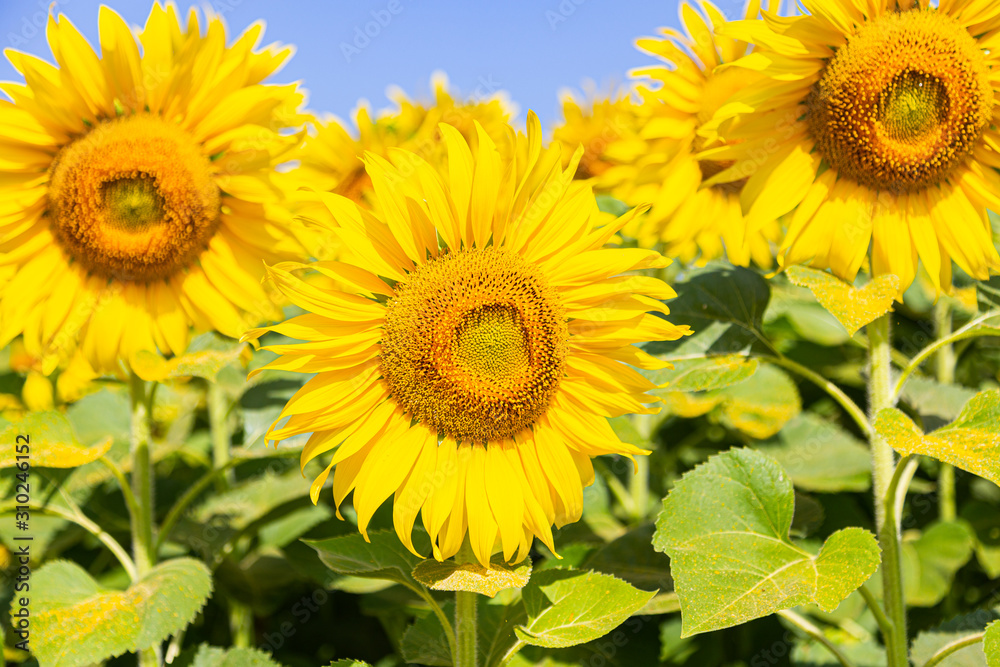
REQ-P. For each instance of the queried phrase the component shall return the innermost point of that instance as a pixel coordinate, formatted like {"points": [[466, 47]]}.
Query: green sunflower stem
{"points": [[944, 370], [466, 617], [143, 551], [883, 470], [218, 418]]}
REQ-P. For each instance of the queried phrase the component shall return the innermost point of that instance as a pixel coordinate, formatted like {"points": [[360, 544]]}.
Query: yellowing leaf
{"points": [[725, 526], [78, 622], [51, 442], [853, 307], [971, 442], [473, 577]]}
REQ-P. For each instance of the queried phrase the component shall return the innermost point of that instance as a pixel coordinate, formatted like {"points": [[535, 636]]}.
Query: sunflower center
{"points": [[133, 200], [903, 103], [473, 344]]}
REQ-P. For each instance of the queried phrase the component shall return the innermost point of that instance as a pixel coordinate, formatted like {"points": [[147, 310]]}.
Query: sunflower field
{"points": [[706, 373]]}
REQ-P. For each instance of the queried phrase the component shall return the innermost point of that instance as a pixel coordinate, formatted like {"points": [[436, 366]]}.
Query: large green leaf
{"points": [[853, 307], [931, 561], [384, 557], [213, 656], [473, 577], [971, 442], [79, 622], [932, 399], [820, 456], [725, 308], [51, 442], [569, 607], [725, 526], [632, 558]]}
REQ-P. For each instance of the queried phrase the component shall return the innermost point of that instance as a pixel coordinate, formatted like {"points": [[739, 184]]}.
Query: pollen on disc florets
{"points": [[134, 199], [903, 103], [474, 343]]}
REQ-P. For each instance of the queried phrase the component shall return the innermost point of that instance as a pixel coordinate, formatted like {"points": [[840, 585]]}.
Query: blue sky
{"points": [[351, 50]]}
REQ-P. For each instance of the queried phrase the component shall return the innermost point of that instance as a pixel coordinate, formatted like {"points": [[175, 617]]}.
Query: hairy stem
{"points": [[883, 470], [944, 370], [466, 622], [143, 549]]}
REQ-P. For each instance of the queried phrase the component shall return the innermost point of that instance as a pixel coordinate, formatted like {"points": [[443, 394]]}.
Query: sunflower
{"points": [[331, 160], [877, 119], [607, 126], [694, 219], [486, 336], [136, 191]]}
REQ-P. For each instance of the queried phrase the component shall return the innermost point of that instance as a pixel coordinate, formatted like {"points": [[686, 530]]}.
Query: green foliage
{"points": [[473, 577], [78, 622], [726, 527], [927, 644], [820, 456], [424, 642], [212, 656], [705, 374], [569, 607], [931, 561], [758, 406], [384, 557], [991, 644]]}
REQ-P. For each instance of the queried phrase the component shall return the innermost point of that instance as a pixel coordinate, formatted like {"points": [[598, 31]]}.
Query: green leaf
{"points": [[808, 653], [929, 642], [820, 456], [931, 561], [384, 557], [632, 558], [473, 577], [853, 307], [51, 441], [759, 406], [725, 308], [212, 656], [569, 607], [725, 526], [804, 317], [991, 644], [496, 629], [989, 294], [349, 663], [78, 622], [971, 442], [931, 398], [705, 373], [985, 521], [424, 642]]}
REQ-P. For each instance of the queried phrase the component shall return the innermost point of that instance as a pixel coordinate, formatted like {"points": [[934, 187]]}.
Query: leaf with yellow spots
{"points": [[569, 607], [725, 526], [971, 442], [473, 577], [76, 621], [853, 307], [50, 442], [204, 364]]}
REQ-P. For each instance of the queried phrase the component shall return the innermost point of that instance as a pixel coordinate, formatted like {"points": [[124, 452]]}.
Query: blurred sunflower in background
{"points": [[136, 191], [696, 218], [332, 159], [877, 123], [607, 126], [485, 337]]}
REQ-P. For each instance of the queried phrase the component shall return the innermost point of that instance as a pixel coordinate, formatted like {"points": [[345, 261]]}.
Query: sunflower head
{"points": [[466, 362], [140, 187]]}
